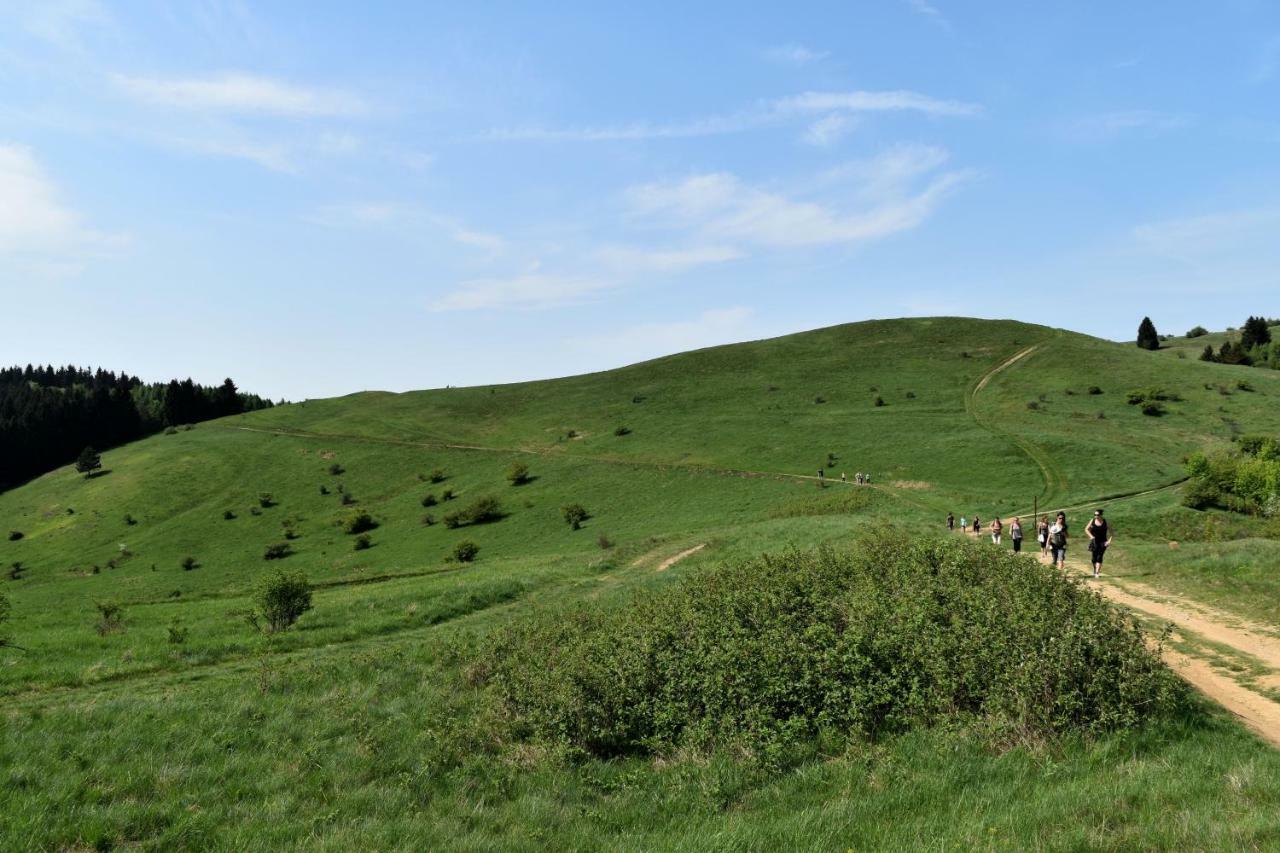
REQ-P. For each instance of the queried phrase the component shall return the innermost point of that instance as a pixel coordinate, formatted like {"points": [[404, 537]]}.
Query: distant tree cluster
{"points": [[1255, 346], [48, 415]]}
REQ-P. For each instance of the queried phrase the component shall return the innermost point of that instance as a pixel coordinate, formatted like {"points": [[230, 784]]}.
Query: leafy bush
{"points": [[447, 495], [335, 469], [324, 490], [428, 520], [819, 400], [465, 551], [518, 474], [110, 618], [604, 542], [764, 655], [359, 521], [1094, 390], [1033, 405], [621, 431], [129, 519], [1197, 332], [178, 633], [1153, 409], [1150, 395], [347, 499], [266, 500], [363, 542], [228, 515], [574, 514], [15, 570], [437, 476], [189, 563], [1239, 482], [428, 500], [15, 535], [171, 431], [879, 401], [481, 511], [281, 597], [277, 551]]}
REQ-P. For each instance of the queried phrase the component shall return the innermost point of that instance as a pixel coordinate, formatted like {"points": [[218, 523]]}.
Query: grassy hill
{"points": [[360, 727]]}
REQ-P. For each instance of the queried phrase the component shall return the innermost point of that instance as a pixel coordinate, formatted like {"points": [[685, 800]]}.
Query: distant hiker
{"points": [[1058, 540], [964, 524], [1015, 534], [996, 529], [951, 521], [821, 474], [1100, 536], [1042, 535], [977, 525], [866, 479], [842, 478], [857, 478]]}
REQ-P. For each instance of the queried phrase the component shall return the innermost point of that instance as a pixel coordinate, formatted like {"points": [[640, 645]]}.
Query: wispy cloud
{"points": [[722, 206], [528, 291], [235, 92], [829, 130], [832, 105], [928, 10], [33, 218], [1103, 127], [63, 23], [1207, 234], [794, 54], [631, 259]]}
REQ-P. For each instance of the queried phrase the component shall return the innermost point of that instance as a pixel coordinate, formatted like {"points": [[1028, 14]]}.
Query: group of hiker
{"points": [[860, 478], [1051, 536]]}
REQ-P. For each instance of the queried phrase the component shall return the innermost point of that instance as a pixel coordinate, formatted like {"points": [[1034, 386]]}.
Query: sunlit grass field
{"points": [[359, 728]]}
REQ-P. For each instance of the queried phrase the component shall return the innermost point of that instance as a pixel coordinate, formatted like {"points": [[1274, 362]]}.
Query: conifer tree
{"points": [[1148, 338], [88, 462]]}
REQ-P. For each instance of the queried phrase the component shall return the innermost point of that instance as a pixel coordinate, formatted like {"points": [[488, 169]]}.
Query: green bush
{"points": [[363, 542], [518, 474], [110, 618], [879, 401], [266, 500], [335, 469], [277, 551], [281, 598], [189, 563], [1153, 409], [621, 431], [574, 514], [465, 551], [437, 476], [764, 655], [178, 633], [1197, 332], [359, 521], [347, 499], [1095, 390], [429, 500], [481, 511], [15, 535]]}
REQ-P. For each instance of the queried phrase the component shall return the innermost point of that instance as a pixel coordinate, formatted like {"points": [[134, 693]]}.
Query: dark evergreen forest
{"points": [[48, 415]]}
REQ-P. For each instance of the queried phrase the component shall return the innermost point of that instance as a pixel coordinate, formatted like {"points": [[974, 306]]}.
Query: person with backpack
{"points": [[1015, 534], [1058, 541], [1100, 536], [1042, 535], [951, 522], [996, 529]]}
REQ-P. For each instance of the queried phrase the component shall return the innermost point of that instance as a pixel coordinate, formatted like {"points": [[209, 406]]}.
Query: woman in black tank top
{"points": [[1099, 533]]}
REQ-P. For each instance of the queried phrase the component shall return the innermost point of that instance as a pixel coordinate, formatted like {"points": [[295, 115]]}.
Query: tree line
{"points": [[49, 414], [1255, 346]]}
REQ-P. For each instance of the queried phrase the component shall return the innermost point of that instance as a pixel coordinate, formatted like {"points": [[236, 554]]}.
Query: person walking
{"points": [[867, 480], [1042, 535], [1100, 536], [996, 530], [1015, 535], [842, 477], [977, 526], [964, 524], [1058, 541], [951, 522]]}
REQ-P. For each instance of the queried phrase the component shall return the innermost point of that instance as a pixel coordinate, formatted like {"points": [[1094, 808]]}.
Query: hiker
{"points": [[996, 529], [1100, 536], [1015, 534], [842, 478], [964, 524], [867, 479], [1042, 535], [821, 474], [859, 478], [1058, 541], [951, 521], [977, 525]]}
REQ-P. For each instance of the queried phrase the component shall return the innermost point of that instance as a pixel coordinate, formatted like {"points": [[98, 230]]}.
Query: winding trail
{"points": [[1054, 480]]}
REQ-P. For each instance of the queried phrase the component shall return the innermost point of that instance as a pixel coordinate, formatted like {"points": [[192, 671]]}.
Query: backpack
{"points": [[1059, 538]]}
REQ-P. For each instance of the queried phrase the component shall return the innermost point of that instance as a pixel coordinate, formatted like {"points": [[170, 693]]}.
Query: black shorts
{"points": [[1097, 549]]}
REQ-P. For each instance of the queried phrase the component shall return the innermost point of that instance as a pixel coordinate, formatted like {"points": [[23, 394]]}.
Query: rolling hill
{"points": [[360, 728]]}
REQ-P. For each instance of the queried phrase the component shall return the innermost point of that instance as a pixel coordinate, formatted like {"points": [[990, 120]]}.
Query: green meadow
{"points": [[366, 725]]}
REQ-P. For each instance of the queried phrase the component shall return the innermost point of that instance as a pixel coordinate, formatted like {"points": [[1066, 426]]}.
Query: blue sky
{"points": [[317, 198]]}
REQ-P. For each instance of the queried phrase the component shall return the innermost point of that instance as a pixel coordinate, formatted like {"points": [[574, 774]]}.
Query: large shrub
{"points": [[281, 597], [480, 511], [359, 521], [891, 637]]}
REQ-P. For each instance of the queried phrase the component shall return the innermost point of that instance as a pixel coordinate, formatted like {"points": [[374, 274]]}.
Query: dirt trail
{"points": [[1258, 712], [671, 561]]}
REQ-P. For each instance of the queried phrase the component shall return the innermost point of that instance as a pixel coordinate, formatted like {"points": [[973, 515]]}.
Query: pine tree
{"points": [[1148, 338], [1208, 355], [1255, 333], [88, 462]]}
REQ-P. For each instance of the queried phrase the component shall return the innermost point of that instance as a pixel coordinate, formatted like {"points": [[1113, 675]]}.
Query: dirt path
{"points": [[671, 561], [1054, 480], [1260, 713]]}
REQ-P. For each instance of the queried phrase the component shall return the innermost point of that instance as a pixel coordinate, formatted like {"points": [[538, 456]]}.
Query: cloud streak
{"points": [[836, 109], [235, 92], [33, 219]]}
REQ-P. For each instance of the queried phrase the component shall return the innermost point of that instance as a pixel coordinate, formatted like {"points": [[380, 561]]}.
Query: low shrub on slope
{"points": [[788, 648]]}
